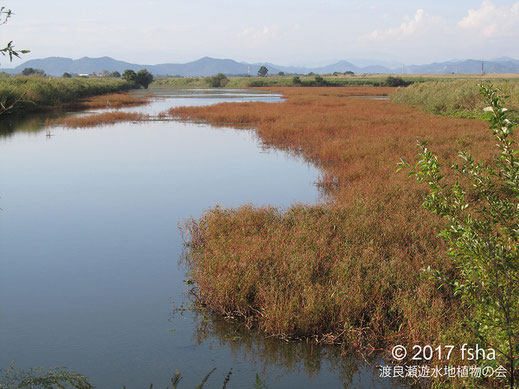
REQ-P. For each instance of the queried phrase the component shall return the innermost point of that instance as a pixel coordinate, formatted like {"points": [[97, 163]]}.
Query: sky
{"points": [[290, 32]]}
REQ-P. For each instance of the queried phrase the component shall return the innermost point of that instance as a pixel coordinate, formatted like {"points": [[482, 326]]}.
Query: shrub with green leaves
{"points": [[482, 212], [217, 81]]}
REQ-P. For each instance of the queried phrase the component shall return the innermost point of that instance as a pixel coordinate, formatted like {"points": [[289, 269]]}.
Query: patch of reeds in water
{"points": [[114, 100], [350, 270], [100, 119]]}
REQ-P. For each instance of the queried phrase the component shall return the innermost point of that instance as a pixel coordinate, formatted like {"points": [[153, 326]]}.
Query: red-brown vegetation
{"points": [[115, 100], [100, 119], [348, 270]]}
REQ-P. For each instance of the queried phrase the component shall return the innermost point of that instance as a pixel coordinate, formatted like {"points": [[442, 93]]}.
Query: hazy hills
{"points": [[207, 66]]}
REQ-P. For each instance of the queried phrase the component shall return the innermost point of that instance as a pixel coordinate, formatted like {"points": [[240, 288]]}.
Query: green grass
{"points": [[247, 82], [35, 93], [456, 98], [330, 80]]}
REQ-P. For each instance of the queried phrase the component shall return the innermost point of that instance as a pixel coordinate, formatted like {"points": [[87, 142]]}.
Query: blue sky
{"points": [[283, 32]]}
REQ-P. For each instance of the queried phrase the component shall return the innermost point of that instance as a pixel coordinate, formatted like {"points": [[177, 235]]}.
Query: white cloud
{"points": [[490, 21], [420, 24], [260, 35]]}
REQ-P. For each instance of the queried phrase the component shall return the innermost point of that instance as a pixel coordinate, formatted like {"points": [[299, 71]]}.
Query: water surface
{"points": [[89, 250]]}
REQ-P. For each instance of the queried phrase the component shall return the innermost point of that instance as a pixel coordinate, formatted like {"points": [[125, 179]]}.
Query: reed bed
{"points": [[34, 93], [100, 119], [347, 271], [114, 100], [456, 98]]}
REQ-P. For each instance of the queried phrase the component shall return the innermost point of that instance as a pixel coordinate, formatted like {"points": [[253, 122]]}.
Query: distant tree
{"points": [[129, 75], [144, 78], [115, 74], [349, 73], [66, 75], [397, 81], [263, 71], [311, 73], [104, 74], [281, 73], [220, 80], [296, 80], [29, 71], [320, 81]]}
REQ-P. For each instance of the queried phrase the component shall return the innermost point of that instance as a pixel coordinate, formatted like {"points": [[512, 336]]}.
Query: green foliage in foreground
{"points": [[482, 213], [455, 97], [61, 378], [30, 93], [9, 50], [177, 377], [57, 378]]}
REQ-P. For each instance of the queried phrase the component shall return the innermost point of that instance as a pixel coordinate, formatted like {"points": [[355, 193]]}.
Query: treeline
{"points": [[221, 80], [318, 80]]}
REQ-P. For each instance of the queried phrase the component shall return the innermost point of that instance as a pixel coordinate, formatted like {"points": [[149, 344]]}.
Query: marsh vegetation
{"points": [[22, 94], [349, 271]]}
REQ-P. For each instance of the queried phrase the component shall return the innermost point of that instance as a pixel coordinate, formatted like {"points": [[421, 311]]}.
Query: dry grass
{"points": [[348, 271], [115, 100], [101, 119]]}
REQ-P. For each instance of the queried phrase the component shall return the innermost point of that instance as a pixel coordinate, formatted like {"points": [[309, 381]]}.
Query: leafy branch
{"points": [[482, 213]]}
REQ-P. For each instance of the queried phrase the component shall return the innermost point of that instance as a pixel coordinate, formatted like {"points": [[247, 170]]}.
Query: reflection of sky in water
{"points": [[90, 243], [174, 97]]}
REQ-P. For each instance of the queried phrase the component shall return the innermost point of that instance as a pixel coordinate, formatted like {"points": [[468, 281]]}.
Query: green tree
{"points": [[144, 78], [217, 81], [115, 74], [396, 81], [263, 71], [482, 213], [320, 81], [29, 71], [66, 75], [129, 75]]}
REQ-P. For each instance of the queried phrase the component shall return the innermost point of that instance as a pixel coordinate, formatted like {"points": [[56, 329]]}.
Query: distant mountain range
{"points": [[56, 66]]}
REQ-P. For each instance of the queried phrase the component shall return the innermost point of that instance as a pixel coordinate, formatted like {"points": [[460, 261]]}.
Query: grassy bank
{"points": [[456, 98], [349, 270], [36, 93]]}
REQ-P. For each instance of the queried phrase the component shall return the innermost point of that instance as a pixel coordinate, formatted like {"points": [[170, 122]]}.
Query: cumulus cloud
{"points": [[491, 21], [421, 23]]}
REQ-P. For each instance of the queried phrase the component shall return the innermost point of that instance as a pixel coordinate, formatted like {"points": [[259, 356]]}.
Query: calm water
{"points": [[89, 250]]}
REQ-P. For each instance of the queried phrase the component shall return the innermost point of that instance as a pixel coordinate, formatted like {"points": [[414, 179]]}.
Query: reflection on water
{"points": [[89, 243], [291, 364]]}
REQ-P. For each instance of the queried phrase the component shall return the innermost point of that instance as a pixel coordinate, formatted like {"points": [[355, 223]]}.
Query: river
{"points": [[90, 246]]}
